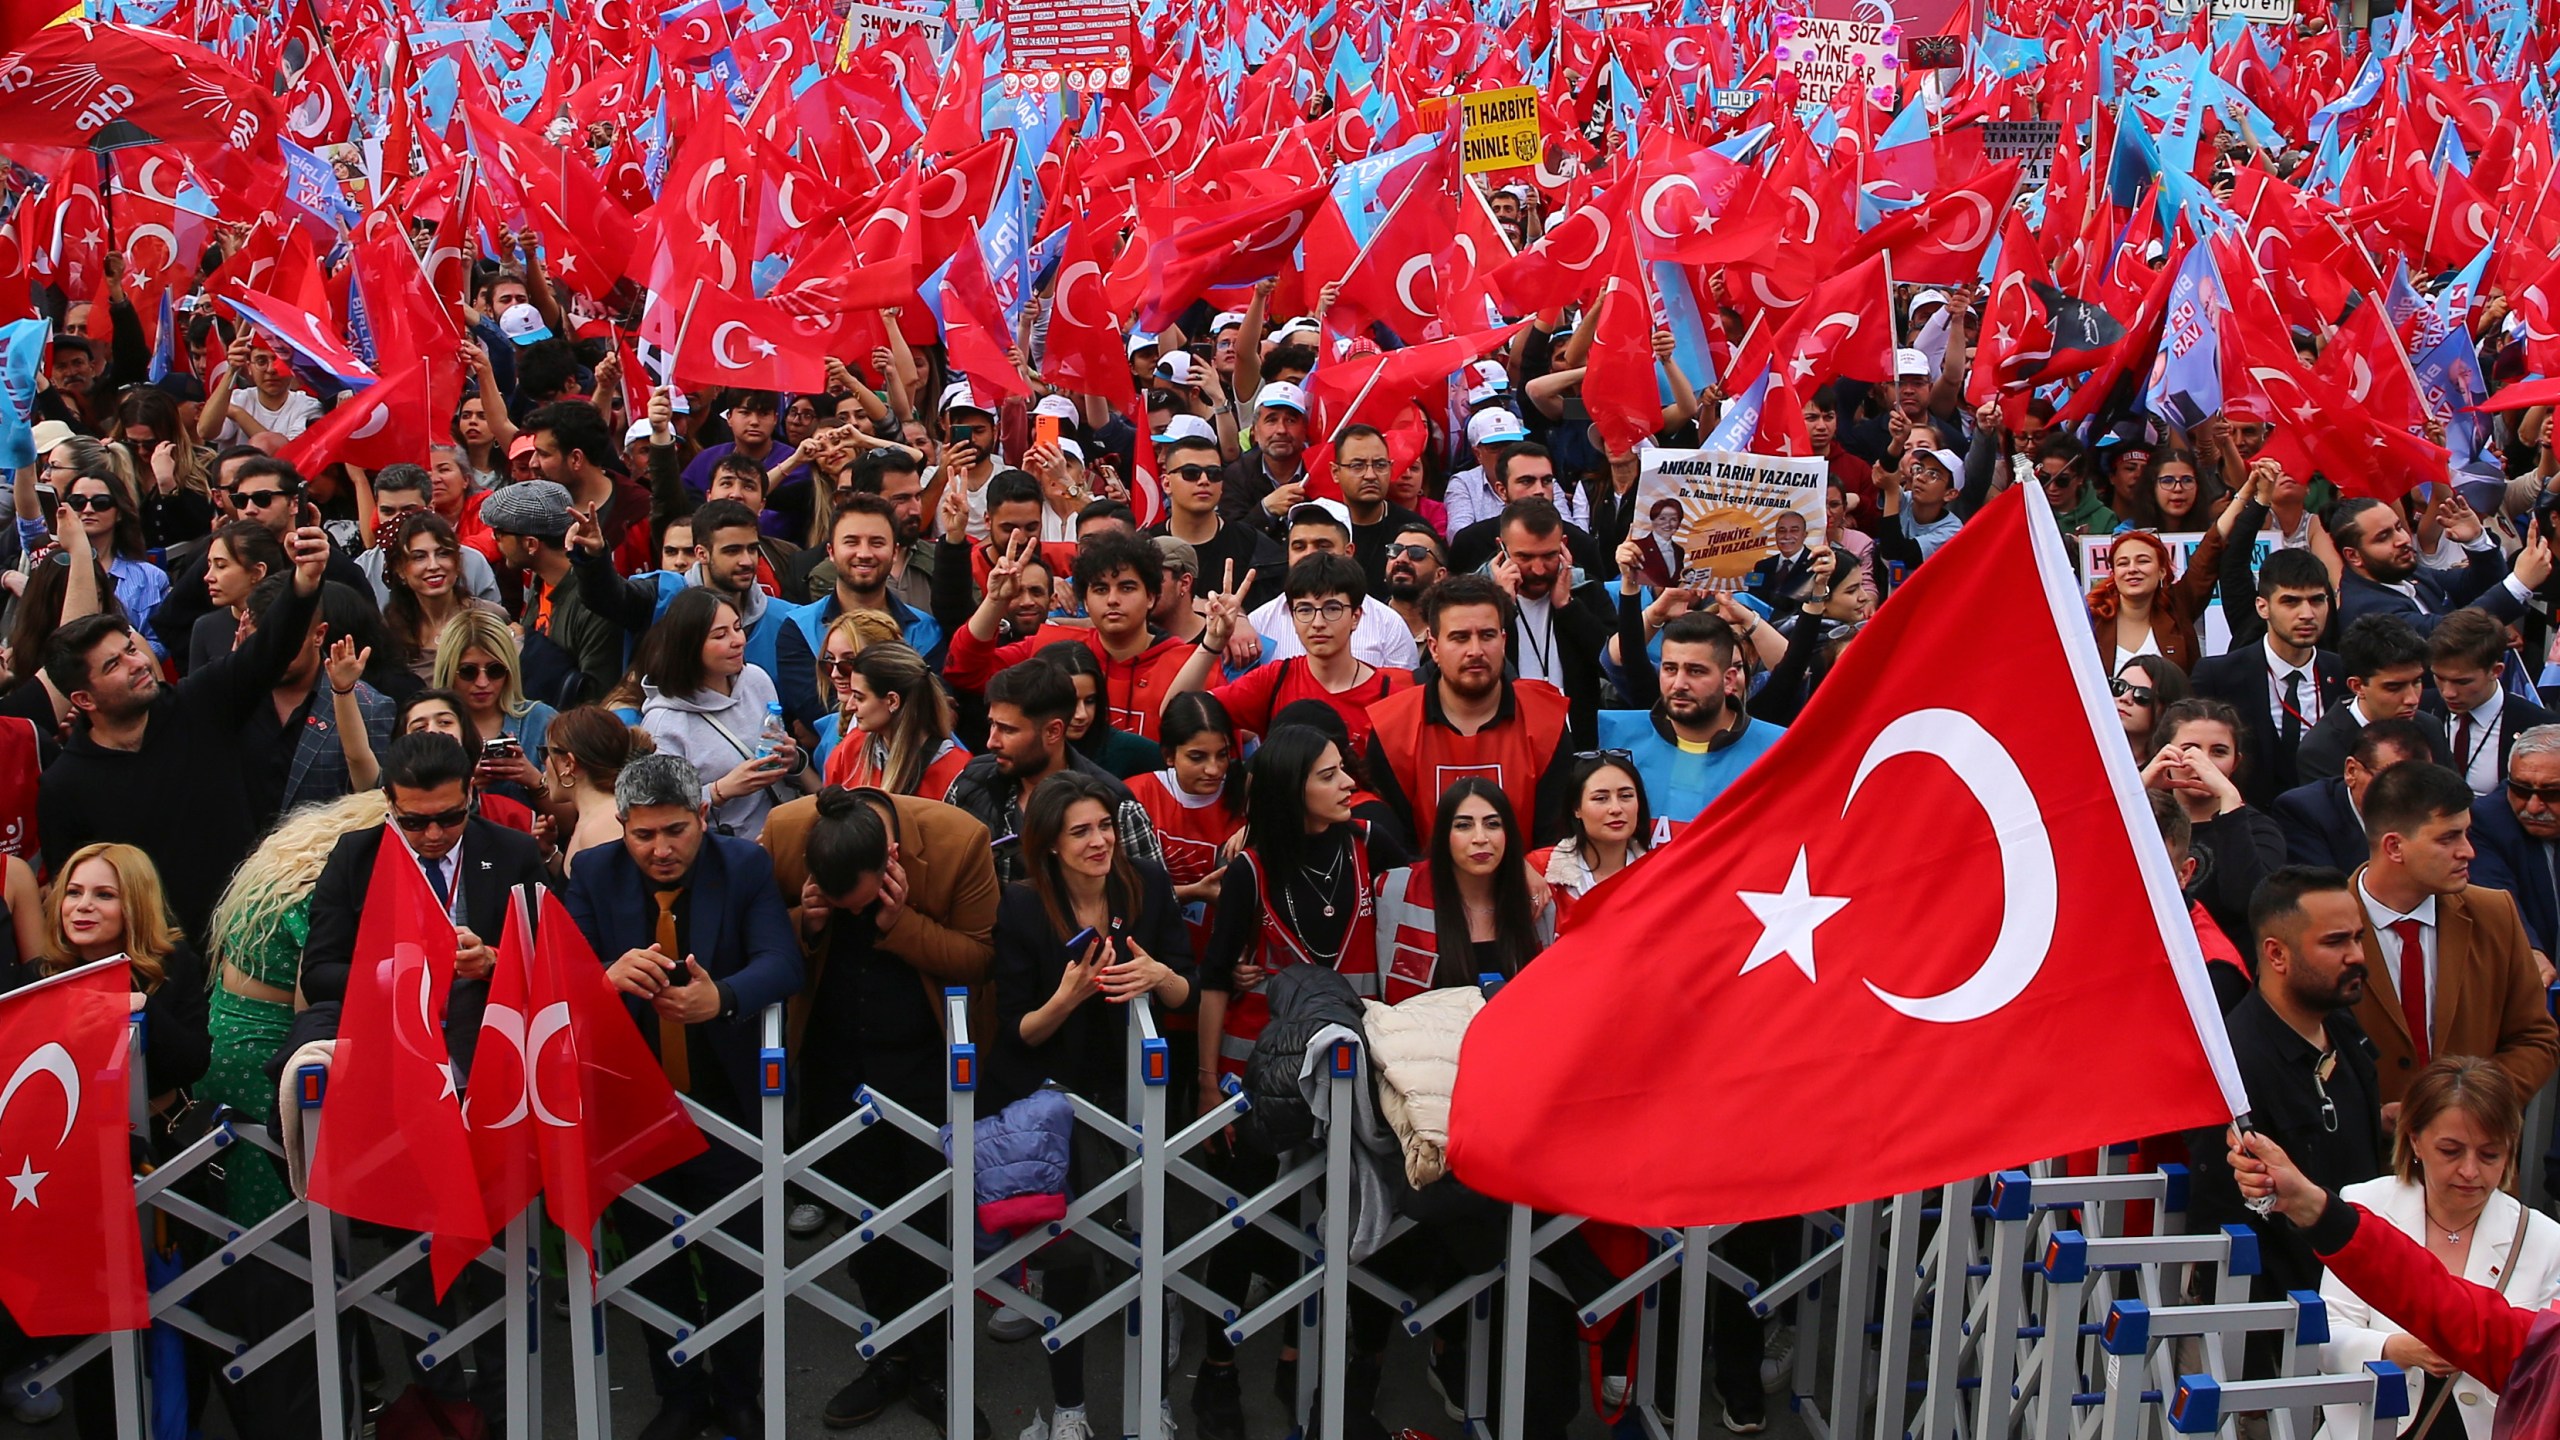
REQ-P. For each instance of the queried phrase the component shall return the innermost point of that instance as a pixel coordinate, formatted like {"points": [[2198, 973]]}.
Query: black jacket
{"points": [[2320, 826], [188, 601], [2325, 746], [1582, 631], [2515, 716], [2239, 679], [1089, 1053], [494, 860], [183, 796]]}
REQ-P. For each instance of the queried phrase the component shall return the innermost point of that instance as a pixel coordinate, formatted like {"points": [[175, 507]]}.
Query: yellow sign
{"points": [[1501, 131]]}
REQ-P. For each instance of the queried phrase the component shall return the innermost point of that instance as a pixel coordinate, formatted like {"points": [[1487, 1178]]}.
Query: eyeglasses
{"points": [[257, 499], [2174, 482], [442, 820], [1193, 474], [89, 502], [474, 670], [1365, 467], [1412, 552], [2123, 689], [837, 664], [2547, 794], [1331, 611], [1622, 757]]}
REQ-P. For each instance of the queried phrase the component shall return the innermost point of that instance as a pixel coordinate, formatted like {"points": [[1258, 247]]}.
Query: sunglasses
{"points": [[2547, 794], [2123, 689], [89, 502], [1412, 552], [258, 499], [1193, 474], [1623, 757], [473, 670], [442, 820], [837, 664]]}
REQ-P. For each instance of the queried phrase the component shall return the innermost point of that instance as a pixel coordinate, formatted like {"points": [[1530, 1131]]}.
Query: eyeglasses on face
{"points": [[2167, 481], [89, 502], [441, 820], [1331, 611], [474, 670], [1365, 467], [2124, 689]]}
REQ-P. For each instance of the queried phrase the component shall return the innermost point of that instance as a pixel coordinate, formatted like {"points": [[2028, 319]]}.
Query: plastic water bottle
{"points": [[775, 734]]}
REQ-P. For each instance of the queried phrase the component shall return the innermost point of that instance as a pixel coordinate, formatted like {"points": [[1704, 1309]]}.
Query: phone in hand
{"points": [[1044, 431], [1079, 942]]}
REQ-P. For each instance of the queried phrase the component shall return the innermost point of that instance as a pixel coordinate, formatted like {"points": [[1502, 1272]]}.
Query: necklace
{"points": [[1323, 881], [2451, 1235]]}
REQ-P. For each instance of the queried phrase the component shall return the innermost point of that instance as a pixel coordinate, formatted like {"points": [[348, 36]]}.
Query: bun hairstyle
{"points": [[849, 841]]}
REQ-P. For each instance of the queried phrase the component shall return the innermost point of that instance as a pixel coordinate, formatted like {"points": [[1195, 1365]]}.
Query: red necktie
{"points": [[2413, 989]]}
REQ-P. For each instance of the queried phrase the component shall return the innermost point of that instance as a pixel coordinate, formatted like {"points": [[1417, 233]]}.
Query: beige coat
{"points": [[1414, 1049]]}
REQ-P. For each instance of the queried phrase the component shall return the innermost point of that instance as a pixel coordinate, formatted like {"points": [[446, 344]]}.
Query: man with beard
{"points": [[1557, 632], [1362, 468], [1027, 709], [1414, 564], [1272, 476], [1471, 719], [2384, 577], [725, 547], [1697, 738], [862, 544], [2309, 1068]]}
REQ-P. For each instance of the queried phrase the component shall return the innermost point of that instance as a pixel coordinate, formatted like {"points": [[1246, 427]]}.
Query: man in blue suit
{"points": [[2384, 577], [2516, 830], [2320, 821], [700, 943]]}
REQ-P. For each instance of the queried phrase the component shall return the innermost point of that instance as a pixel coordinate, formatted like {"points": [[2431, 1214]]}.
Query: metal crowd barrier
{"points": [[2017, 1304]]}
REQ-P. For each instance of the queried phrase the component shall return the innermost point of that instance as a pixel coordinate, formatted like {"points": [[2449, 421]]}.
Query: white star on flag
{"points": [[1787, 920]]}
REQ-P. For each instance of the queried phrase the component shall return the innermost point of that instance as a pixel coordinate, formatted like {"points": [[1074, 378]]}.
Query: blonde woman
{"points": [[255, 943], [477, 658], [851, 633], [108, 901]]}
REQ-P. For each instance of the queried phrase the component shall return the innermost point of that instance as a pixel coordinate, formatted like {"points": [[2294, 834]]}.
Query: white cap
{"points": [[1486, 379], [1071, 449], [638, 432], [523, 324], [1334, 508], [1226, 320], [1058, 405], [1188, 427], [1494, 427], [1280, 394], [1179, 368], [1141, 340], [1295, 328], [1927, 298], [956, 396], [1910, 362], [1953, 463]]}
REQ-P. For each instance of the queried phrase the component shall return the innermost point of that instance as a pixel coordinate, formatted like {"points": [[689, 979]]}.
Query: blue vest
{"points": [[762, 636], [1679, 784], [922, 632]]}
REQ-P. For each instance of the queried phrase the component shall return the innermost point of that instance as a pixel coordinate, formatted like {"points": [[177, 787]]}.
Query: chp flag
{"points": [[1936, 916]]}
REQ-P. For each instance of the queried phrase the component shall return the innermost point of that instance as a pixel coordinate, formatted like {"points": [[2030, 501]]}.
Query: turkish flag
{"points": [[1620, 388], [607, 1118], [721, 339], [386, 422], [1826, 967], [70, 1246], [973, 329], [1557, 270], [505, 1154], [1085, 353], [1242, 244], [1940, 240], [392, 1148]]}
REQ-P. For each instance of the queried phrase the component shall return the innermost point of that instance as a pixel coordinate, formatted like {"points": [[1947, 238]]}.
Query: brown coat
{"points": [[2488, 999], [2177, 608], [946, 934]]}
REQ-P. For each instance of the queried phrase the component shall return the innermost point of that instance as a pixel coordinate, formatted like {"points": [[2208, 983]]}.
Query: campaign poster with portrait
{"points": [[1706, 517]]}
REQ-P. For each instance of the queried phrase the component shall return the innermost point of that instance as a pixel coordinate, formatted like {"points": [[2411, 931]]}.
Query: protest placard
{"points": [[2260, 12], [1082, 45], [1825, 55], [2029, 142], [1501, 129], [1706, 517]]}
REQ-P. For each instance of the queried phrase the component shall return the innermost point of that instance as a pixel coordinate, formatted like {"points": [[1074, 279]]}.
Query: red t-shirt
{"points": [[1266, 690]]}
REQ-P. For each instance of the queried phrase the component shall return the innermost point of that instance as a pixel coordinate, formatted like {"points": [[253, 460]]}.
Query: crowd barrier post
{"points": [[962, 1073], [1346, 1070], [773, 1287], [320, 1232], [2204, 1404], [590, 1385], [1850, 1351], [133, 1404], [1688, 1379], [1150, 1070], [1905, 1260]]}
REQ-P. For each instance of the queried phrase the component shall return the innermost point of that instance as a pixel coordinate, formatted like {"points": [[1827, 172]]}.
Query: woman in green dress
{"points": [[258, 930]]}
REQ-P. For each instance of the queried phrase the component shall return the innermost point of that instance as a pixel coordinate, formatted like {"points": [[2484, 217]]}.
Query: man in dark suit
{"points": [[2517, 834], [2468, 655], [2384, 577], [694, 934], [1783, 581], [2386, 664], [2320, 821], [2285, 683], [469, 862], [1557, 631], [2449, 968], [1522, 472]]}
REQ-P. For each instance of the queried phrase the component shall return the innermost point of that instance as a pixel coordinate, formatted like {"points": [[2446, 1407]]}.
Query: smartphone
{"points": [[1045, 431], [1077, 942], [501, 747]]}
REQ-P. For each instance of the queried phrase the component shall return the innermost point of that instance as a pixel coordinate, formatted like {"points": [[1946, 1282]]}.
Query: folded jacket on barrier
{"points": [[1413, 1046], [1022, 1154]]}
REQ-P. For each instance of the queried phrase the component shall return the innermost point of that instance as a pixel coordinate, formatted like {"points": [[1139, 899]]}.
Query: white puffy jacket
{"points": [[1414, 1048]]}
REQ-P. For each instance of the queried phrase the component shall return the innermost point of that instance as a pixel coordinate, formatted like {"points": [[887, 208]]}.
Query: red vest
{"points": [[1428, 758], [1408, 933], [1278, 946], [1191, 836]]}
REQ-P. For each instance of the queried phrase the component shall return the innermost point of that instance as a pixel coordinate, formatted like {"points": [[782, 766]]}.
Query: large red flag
{"points": [[1085, 352], [70, 1247], [1940, 241], [1828, 968], [608, 1120], [392, 1148], [504, 1153]]}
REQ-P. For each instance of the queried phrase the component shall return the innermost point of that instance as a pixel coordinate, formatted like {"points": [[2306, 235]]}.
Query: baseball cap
{"points": [[522, 445], [1927, 298], [1494, 427], [1059, 406], [49, 435], [1280, 394], [1486, 379], [1300, 328], [638, 432], [1953, 462], [539, 508], [180, 386], [1072, 449], [523, 324], [1334, 508], [957, 396], [1178, 555], [1226, 320], [1910, 362], [1188, 427], [1140, 340], [1179, 368]]}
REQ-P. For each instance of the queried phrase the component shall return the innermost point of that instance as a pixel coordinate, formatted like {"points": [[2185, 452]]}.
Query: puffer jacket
{"points": [[1022, 1156], [1414, 1047], [1304, 1000]]}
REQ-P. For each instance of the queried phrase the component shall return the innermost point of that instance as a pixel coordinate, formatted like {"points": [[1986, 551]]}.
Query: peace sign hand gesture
{"points": [[1226, 609], [586, 531], [1005, 575]]}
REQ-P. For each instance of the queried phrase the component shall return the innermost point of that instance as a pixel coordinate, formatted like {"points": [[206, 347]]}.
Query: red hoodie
{"points": [[1135, 689]]}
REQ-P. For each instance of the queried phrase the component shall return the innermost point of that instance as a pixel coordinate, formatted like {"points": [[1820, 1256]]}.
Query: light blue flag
{"points": [[165, 353], [22, 346], [1688, 327], [1005, 242], [1741, 422], [2185, 384], [1357, 186], [2008, 56]]}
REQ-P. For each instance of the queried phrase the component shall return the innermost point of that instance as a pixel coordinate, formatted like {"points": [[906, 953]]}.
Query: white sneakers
{"points": [[1008, 1324]]}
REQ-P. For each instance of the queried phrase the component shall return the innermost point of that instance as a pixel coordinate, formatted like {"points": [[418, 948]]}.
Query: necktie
{"points": [[2462, 745], [672, 1056], [2292, 729], [2413, 990], [437, 883]]}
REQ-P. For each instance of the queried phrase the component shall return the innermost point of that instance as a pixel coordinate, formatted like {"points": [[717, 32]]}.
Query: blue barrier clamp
{"points": [[311, 1082], [1488, 982], [2125, 1147], [2197, 1407], [2181, 1180], [2311, 1320], [2011, 1193], [1344, 1060], [964, 1067], [770, 1068], [2066, 1258], [2244, 1250], [2390, 1390], [1154, 1062], [2128, 1329]]}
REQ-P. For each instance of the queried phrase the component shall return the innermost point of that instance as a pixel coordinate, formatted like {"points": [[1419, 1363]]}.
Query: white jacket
{"points": [[1415, 1048], [2356, 1333], [717, 733]]}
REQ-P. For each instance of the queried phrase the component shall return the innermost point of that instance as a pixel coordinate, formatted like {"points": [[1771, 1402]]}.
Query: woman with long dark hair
{"points": [[1090, 732], [707, 704], [236, 558], [1608, 829], [424, 576], [176, 498], [1197, 804], [1089, 925], [95, 482], [1465, 912]]}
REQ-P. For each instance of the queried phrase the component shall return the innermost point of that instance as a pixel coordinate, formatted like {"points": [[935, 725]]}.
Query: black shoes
{"points": [[882, 1383], [933, 1401], [1217, 1403], [680, 1418]]}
